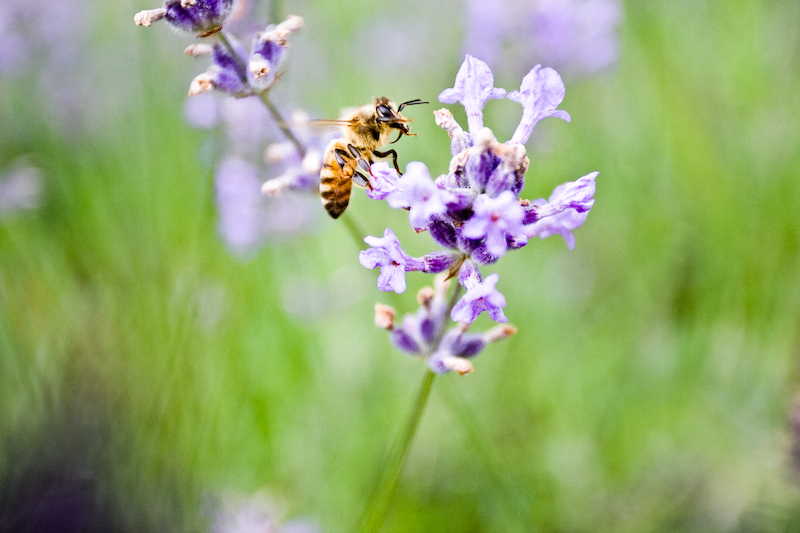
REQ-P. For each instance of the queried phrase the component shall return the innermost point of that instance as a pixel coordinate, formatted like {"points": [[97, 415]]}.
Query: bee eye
{"points": [[384, 111]]}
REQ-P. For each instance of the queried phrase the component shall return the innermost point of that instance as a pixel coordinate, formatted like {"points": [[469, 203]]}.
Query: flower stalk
{"points": [[385, 489], [387, 484]]}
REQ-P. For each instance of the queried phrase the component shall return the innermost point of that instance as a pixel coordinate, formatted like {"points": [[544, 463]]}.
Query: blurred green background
{"points": [[145, 370]]}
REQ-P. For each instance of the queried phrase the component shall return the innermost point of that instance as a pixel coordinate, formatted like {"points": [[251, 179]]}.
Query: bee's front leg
{"points": [[388, 153]]}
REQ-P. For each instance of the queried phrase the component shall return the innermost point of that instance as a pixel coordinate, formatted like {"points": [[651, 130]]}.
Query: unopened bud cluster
{"points": [[234, 69], [423, 333]]}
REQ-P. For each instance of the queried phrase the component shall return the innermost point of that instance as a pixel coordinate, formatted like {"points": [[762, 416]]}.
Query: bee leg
{"points": [[361, 180], [364, 165], [388, 153], [340, 154], [356, 153]]}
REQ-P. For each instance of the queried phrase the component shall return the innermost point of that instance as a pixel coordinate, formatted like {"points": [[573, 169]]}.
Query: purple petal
{"points": [[238, 195], [383, 180], [577, 195], [469, 275], [541, 93], [404, 342], [443, 232], [474, 87], [470, 345], [392, 260], [480, 297], [392, 278], [417, 193], [436, 262], [495, 219], [562, 224], [203, 15]]}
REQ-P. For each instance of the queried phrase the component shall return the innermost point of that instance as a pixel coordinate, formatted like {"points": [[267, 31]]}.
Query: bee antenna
{"points": [[411, 102]]}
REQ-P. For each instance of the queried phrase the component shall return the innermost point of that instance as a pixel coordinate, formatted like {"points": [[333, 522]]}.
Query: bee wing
{"points": [[320, 125], [324, 122]]}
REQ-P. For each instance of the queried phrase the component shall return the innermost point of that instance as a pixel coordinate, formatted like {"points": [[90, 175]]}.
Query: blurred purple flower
{"points": [[43, 36], [245, 121], [238, 192], [226, 73], [268, 51], [246, 218], [578, 37], [236, 71], [20, 190], [259, 513]]}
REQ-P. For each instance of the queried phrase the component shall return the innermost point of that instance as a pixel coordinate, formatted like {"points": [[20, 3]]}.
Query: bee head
{"points": [[386, 114]]}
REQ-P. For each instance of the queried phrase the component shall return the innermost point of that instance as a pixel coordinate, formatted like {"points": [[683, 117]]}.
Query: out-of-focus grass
{"points": [[650, 384]]}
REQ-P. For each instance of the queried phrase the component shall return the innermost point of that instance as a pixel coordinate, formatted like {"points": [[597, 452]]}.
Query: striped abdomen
{"points": [[336, 179]]}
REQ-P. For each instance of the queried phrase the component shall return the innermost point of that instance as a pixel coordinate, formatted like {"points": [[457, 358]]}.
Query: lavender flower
{"points": [[188, 15], [541, 93], [392, 260], [495, 219], [237, 187], [474, 212], [417, 193], [423, 333], [473, 88], [245, 218], [481, 296], [51, 30], [299, 172], [566, 210], [383, 180], [576, 35], [235, 71]]}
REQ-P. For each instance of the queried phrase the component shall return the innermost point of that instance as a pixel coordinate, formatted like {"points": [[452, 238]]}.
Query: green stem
{"points": [[227, 44], [382, 497], [353, 229], [282, 123], [276, 115]]}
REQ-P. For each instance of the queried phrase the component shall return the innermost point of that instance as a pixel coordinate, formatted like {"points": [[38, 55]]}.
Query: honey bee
{"points": [[347, 160]]}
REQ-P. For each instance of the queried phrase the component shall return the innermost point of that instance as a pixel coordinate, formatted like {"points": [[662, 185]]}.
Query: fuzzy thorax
{"points": [[367, 129]]}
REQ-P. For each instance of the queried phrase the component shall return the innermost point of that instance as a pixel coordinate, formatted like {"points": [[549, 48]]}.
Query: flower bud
{"points": [[384, 317]]}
